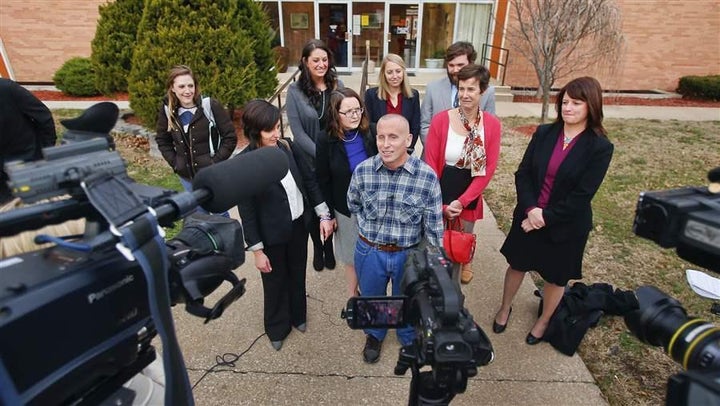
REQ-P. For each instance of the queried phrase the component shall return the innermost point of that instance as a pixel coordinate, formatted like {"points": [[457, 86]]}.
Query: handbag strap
{"points": [[453, 224]]}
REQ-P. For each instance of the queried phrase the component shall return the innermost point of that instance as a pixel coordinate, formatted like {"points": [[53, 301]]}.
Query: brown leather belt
{"points": [[382, 247]]}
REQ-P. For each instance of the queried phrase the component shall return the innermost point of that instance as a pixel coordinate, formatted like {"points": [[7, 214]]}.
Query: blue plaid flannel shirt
{"points": [[396, 207]]}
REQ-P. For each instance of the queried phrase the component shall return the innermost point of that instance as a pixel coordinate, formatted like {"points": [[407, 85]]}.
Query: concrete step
{"points": [[419, 82]]}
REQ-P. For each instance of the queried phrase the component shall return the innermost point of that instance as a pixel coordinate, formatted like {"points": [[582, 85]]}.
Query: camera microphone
{"points": [[244, 175]]}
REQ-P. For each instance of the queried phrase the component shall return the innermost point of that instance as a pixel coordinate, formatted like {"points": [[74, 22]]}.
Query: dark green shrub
{"points": [[700, 87], [113, 45], [215, 38], [76, 77]]}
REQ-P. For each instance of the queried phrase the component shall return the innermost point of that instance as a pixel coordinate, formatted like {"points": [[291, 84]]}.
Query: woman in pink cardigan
{"points": [[463, 147]]}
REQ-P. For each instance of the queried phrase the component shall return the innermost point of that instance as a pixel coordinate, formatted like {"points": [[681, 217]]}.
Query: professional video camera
{"points": [[447, 338], [689, 219], [77, 319]]}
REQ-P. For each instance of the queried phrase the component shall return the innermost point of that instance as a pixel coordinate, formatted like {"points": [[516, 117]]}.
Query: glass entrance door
{"points": [[368, 28], [333, 27], [402, 32]]}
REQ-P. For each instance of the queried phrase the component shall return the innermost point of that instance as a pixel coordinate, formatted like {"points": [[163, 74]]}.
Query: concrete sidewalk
{"points": [[325, 366]]}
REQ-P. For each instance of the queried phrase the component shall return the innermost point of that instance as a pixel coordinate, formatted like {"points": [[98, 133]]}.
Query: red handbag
{"points": [[459, 245]]}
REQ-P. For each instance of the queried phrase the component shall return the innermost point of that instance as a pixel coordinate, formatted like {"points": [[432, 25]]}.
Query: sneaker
{"points": [[371, 352]]}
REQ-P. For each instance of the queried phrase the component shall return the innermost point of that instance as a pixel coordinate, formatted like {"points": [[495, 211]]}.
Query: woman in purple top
{"points": [[347, 143], [562, 168]]}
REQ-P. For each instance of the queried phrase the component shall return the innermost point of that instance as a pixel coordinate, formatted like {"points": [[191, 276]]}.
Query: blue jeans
{"points": [[374, 269], [187, 185]]}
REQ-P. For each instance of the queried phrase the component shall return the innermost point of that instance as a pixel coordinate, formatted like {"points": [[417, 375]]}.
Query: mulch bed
{"points": [[53, 95], [635, 101]]}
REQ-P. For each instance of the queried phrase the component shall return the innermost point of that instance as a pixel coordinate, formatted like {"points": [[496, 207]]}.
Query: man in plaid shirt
{"points": [[396, 198]]}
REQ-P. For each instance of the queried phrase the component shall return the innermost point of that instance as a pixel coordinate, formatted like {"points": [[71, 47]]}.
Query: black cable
{"points": [[228, 359]]}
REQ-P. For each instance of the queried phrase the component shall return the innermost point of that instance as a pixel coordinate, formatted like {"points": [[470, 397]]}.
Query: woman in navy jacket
{"points": [[348, 142], [275, 224], [394, 95], [562, 169]]}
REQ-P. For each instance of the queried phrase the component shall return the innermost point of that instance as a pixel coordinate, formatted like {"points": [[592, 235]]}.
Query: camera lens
{"points": [[662, 321]]}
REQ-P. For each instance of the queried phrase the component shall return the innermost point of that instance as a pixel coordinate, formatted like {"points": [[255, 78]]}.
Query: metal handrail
{"points": [[277, 95], [364, 77], [502, 63]]}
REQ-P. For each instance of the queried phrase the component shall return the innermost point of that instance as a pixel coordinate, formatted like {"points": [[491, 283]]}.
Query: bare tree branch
{"points": [[561, 37]]}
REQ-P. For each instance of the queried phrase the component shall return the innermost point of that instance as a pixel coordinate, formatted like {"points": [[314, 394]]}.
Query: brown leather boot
{"points": [[466, 274]]}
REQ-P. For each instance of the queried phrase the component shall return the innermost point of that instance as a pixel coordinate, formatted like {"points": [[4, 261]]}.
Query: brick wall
{"points": [[665, 40], [40, 35]]}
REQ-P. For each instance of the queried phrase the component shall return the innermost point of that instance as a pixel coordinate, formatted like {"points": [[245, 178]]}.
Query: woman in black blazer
{"points": [[347, 143], [394, 95], [275, 224], [562, 168]]}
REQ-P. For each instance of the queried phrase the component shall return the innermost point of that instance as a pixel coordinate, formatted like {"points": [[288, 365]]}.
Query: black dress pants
{"points": [[284, 287]]}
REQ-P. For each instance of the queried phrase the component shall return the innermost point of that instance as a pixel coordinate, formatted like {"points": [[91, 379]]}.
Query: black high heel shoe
{"points": [[318, 261], [329, 254], [499, 328], [532, 340]]}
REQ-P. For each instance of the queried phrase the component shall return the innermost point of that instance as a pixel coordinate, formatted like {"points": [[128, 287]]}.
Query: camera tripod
{"points": [[436, 387]]}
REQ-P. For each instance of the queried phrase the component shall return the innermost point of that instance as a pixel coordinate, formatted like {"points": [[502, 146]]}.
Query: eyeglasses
{"points": [[353, 112]]}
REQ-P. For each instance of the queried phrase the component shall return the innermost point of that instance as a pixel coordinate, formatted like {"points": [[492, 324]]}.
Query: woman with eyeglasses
{"points": [[348, 142], [394, 95], [307, 110], [463, 147]]}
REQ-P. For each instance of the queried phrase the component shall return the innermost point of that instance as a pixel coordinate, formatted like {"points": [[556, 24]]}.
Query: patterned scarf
{"points": [[473, 155]]}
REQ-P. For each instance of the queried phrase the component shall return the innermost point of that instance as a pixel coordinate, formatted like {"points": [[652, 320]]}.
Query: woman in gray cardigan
{"points": [[307, 104]]}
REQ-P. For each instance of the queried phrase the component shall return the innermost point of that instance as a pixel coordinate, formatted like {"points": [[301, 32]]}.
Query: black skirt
{"points": [[556, 262], [453, 183]]}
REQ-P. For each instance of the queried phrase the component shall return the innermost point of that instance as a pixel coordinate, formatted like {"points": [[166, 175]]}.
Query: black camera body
{"points": [[77, 319], [65, 324], [688, 219], [447, 338]]}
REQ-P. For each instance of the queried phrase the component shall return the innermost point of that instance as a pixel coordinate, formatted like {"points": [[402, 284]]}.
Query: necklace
{"points": [[322, 111], [567, 140], [466, 123], [354, 136]]}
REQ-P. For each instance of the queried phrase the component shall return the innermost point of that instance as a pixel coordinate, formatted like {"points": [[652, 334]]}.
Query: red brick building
{"points": [[665, 39]]}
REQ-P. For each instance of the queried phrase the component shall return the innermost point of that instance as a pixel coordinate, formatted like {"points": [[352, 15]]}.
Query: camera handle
{"points": [[136, 227], [424, 390]]}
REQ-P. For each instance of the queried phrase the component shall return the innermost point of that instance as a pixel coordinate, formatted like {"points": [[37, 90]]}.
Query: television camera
{"points": [[447, 338], [687, 219], [77, 319]]}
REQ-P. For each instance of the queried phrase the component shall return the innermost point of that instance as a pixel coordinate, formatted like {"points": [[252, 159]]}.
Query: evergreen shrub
{"points": [[113, 45], [76, 77], [700, 87]]}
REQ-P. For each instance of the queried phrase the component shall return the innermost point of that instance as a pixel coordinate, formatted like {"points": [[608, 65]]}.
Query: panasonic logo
{"points": [[99, 295]]}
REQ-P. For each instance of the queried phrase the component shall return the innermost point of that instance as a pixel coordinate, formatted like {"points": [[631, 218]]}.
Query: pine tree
{"points": [[210, 36], [253, 18], [113, 45]]}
